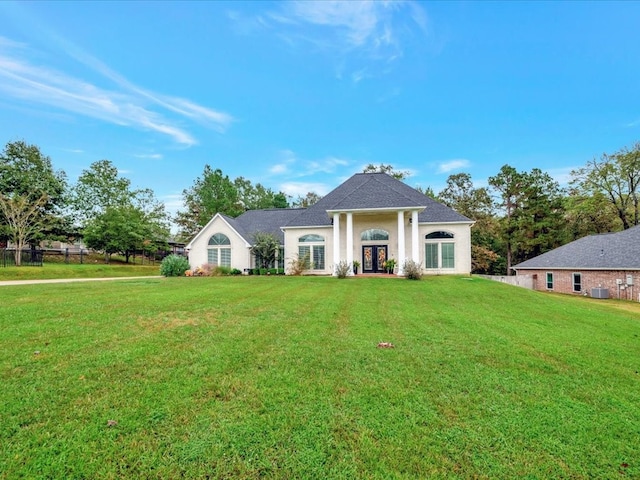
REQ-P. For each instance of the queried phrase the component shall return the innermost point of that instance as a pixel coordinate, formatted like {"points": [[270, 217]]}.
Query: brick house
{"points": [[605, 265]]}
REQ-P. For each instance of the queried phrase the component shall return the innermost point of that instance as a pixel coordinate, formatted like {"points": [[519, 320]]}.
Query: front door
{"points": [[373, 258]]}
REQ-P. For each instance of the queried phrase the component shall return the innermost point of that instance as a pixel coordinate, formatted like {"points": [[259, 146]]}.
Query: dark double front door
{"points": [[373, 258]]}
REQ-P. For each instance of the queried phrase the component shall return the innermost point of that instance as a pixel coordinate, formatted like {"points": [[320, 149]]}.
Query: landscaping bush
{"points": [[412, 270], [174, 266], [299, 264], [235, 271], [342, 269], [220, 271]]}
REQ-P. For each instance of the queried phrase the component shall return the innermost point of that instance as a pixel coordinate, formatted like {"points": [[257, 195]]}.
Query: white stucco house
{"points": [[371, 217]]}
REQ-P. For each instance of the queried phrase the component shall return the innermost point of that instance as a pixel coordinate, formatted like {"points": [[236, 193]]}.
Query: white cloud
{"points": [[451, 165], [153, 156], [635, 123], [365, 31], [126, 105], [302, 188]]}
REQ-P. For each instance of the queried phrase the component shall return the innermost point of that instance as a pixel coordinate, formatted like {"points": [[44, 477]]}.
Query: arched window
{"points": [[437, 235], [311, 248], [219, 250], [219, 239], [374, 234], [438, 254]]}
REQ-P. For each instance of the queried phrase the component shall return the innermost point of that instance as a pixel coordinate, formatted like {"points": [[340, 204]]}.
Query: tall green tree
{"points": [[211, 193], [476, 204], [533, 220], [114, 218], [33, 194], [508, 184], [589, 214], [257, 197], [122, 229], [617, 177], [98, 188]]}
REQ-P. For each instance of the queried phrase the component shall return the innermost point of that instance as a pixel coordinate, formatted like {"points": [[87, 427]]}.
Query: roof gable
{"points": [[607, 251], [371, 191]]}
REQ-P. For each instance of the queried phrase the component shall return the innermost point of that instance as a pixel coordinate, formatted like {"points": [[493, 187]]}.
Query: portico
{"points": [[394, 226]]}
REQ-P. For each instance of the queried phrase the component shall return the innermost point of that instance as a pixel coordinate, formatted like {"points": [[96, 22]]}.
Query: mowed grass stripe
{"points": [[280, 377]]}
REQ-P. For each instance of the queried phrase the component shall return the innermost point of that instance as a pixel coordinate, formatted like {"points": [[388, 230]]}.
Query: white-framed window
{"points": [[219, 250], [577, 282], [549, 280], [311, 248], [439, 251]]}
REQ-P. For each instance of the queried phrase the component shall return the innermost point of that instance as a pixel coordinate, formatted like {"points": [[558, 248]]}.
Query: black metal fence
{"points": [[28, 258]]}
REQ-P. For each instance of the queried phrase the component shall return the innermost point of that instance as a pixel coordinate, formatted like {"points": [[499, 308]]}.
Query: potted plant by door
{"points": [[356, 264], [390, 265]]}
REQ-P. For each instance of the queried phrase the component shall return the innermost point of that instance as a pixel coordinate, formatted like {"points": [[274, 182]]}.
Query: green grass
{"points": [[280, 377], [89, 270]]}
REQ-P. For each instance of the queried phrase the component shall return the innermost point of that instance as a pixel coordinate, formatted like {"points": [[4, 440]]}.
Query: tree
{"points": [[23, 218], [508, 184], [588, 215], [388, 169], [265, 249], [477, 204], [98, 188], [617, 177], [33, 194], [210, 194], [257, 197], [309, 199], [114, 218], [123, 229], [533, 213]]}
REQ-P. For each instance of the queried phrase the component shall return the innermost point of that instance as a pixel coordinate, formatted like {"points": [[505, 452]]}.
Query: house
{"points": [[371, 218], [597, 265]]}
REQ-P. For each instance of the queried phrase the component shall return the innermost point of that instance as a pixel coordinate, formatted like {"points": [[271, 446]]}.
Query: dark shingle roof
{"points": [[267, 221], [608, 251], [375, 191]]}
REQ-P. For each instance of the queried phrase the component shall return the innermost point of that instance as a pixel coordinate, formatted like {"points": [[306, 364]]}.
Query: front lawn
{"points": [[87, 270], [281, 377]]}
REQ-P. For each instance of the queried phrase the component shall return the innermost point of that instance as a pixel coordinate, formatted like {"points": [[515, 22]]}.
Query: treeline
{"points": [[518, 215]]}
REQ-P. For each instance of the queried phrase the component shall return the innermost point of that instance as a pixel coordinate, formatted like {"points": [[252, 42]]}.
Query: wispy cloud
{"points": [[365, 32], [451, 165], [126, 104], [302, 188], [290, 165], [152, 156], [635, 123]]}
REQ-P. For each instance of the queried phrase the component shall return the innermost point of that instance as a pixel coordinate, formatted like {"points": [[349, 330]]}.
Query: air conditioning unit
{"points": [[600, 293]]}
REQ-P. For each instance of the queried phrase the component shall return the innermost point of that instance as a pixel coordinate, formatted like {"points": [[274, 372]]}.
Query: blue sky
{"points": [[300, 95]]}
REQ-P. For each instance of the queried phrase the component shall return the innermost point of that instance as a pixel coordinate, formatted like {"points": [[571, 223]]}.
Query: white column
{"points": [[401, 253], [415, 247], [350, 242], [336, 242]]}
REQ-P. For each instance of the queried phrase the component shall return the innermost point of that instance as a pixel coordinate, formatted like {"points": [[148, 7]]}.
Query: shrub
{"points": [[220, 271], [273, 271], [235, 271], [280, 271], [299, 264], [174, 266], [412, 270], [342, 269]]}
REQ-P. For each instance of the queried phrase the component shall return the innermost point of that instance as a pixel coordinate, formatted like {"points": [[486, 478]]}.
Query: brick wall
{"points": [[563, 281]]}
